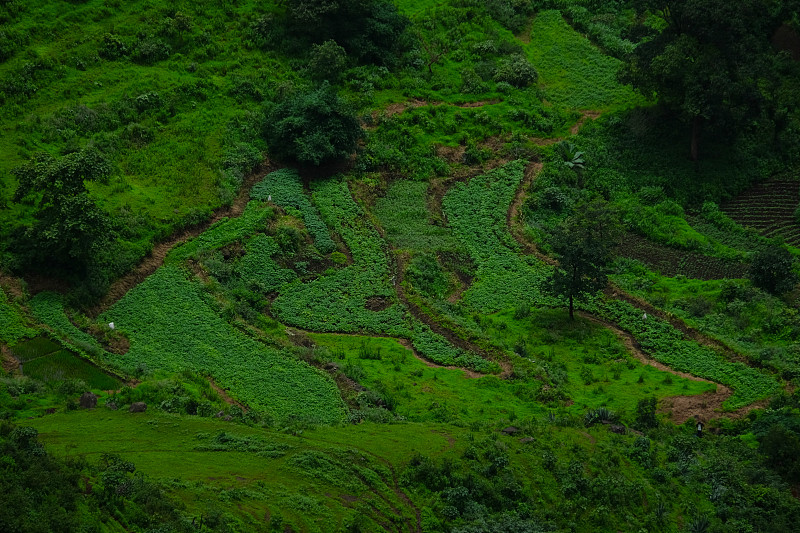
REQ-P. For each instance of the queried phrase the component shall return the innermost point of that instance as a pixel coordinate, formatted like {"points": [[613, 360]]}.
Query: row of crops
{"points": [[174, 324], [477, 213]]}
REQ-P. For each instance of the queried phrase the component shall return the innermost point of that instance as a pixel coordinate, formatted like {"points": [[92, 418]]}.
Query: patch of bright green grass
{"points": [[572, 71], [63, 365], [436, 394]]}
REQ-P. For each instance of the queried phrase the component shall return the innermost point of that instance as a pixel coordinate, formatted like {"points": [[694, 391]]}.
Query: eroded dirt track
{"points": [[155, 258]]}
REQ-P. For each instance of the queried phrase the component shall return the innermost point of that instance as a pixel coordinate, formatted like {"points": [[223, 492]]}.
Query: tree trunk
{"points": [[571, 309], [695, 137]]}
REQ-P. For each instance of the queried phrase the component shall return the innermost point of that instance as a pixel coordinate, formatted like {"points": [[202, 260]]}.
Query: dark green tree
{"points": [[708, 60], [371, 31], [312, 127], [584, 246], [772, 270], [69, 229]]}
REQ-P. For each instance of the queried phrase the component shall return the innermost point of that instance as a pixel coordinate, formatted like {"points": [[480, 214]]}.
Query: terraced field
{"points": [[769, 208]]}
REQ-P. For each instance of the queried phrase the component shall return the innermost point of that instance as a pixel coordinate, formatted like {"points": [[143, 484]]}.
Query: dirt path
{"points": [[224, 394], [9, 363], [680, 408], [513, 221], [156, 257]]}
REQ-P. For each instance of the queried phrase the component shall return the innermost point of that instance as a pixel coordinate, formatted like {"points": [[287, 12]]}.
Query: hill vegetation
{"points": [[371, 265]]}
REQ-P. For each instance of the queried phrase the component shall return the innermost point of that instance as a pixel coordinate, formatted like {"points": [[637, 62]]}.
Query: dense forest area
{"points": [[400, 265]]}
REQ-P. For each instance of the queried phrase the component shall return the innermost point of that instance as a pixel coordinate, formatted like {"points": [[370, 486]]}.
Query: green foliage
{"points": [[516, 71], [188, 334], [426, 275], [708, 59], [372, 31], [667, 345], [583, 245], [285, 189], [773, 270], [254, 218], [13, 326], [69, 229], [646, 413], [327, 61], [311, 127]]}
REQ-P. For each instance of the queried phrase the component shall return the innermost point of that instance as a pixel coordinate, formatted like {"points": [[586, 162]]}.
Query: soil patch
{"points": [[378, 303], [581, 121], [9, 362]]}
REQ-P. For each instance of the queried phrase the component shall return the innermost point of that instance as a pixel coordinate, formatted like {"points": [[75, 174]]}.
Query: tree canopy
{"points": [[312, 127], [69, 228], [584, 244], [710, 60]]}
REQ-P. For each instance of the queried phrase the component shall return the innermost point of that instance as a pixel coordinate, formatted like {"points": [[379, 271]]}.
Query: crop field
{"points": [[671, 262], [333, 248], [760, 326], [171, 326], [477, 213], [769, 207], [63, 365]]}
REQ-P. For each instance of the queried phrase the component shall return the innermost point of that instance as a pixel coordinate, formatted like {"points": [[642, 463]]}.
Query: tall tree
{"points": [[707, 59], [584, 247], [69, 229]]}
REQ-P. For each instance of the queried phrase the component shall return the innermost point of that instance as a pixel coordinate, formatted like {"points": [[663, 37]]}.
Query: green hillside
{"points": [[407, 266]]}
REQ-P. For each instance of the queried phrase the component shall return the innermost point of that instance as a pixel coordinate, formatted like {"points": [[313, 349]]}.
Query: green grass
{"points": [[315, 480], [63, 365], [171, 326], [573, 72], [435, 394]]}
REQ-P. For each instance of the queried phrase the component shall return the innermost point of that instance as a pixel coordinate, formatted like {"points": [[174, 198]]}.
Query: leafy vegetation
{"points": [[267, 378], [372, 342]]}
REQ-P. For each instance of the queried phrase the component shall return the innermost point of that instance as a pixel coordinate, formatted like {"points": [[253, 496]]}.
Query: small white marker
{"points": [[111, 325]]}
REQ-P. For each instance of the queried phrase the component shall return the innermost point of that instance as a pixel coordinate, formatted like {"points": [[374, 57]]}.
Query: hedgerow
{"points": [[285, 189], [172, 328]]}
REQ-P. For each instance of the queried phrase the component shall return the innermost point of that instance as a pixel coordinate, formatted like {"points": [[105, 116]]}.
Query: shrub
{"points": [[327, 61], [150, 50], [772, 270], [517, 71], [312, 127]]}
